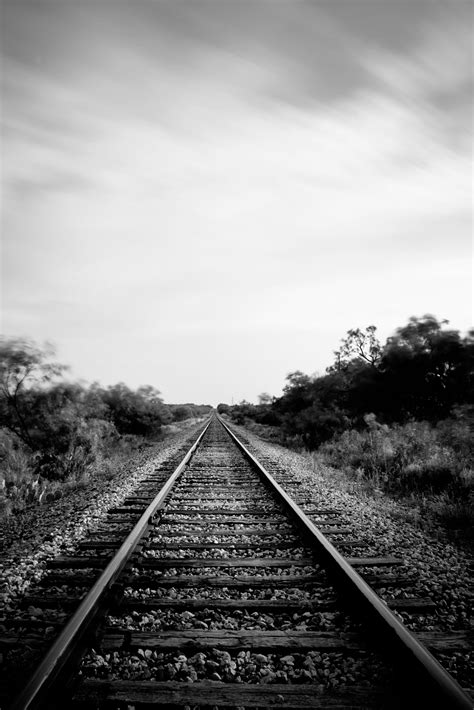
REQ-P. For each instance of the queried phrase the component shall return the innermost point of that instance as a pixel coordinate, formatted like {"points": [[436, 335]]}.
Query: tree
{"points": [[67, 428], [181, 412], [140, 413], [359, 345], [23, 366], [419, 335], [297, 380], [427, 370]]}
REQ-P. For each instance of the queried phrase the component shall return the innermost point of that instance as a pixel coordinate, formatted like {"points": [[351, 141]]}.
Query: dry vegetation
{"points": [[396, 419], [55, 434]]}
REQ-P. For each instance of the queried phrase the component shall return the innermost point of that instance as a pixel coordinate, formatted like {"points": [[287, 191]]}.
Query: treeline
{"points": [[55, 430], [397, 417], [424, 372]]}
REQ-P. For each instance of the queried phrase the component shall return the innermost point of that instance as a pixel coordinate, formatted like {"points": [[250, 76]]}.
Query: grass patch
{"points": [[28, 479], [426, 470], [426, 467], [23, 486]]}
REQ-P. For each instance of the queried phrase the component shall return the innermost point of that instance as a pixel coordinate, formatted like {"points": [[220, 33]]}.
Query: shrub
{"points": [[19, 485], [416, 459], [457, 433], [403, 457]]}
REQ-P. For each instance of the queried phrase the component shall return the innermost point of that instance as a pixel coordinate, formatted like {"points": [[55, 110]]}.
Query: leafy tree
{"points": [[181, 412], [420, 334], [423, 372], [23, 366], [427, 370], [140, 413], [63, 413], [297, 381], [242, 411], [296, 393], [358, 344]]}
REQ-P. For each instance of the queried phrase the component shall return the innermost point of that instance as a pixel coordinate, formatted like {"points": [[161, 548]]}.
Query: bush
{"points": [[457, 433], [53, 432], [19, 485], [181, 412], [416, 459], [36, 478]]}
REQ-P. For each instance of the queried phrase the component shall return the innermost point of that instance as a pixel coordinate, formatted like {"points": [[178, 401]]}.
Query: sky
{"points": [[205, 195]]}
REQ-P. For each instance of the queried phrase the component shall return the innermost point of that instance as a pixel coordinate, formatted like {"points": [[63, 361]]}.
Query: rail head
{"points": [[422, 662], [46, 674]]}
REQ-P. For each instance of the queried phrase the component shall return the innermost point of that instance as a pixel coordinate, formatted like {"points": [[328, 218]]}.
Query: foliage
{"points": [[180, 412], [140, 413], [412, 459], [397, 417], [22, 366], [360, 345], [457, 433], [423, 372], [52, 432]]}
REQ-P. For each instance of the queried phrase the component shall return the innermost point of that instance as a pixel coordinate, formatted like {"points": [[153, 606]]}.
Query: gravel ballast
{"points": [[441, 570], [50, 530], [436, 569], [328, 670]]}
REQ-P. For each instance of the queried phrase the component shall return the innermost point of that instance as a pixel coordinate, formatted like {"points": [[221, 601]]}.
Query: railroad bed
{"points": [[231, 590]]}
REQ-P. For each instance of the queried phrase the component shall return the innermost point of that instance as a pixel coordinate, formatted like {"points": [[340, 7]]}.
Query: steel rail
{"points": [[447, 693], [33, 694]]}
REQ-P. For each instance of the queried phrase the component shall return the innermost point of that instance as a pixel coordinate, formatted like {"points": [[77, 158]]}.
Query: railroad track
{"points": [[214, 587]]}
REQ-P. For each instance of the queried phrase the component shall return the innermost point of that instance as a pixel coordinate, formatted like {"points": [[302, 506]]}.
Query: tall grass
{"points": [[29, 479], [95, 447], [431, 465]]}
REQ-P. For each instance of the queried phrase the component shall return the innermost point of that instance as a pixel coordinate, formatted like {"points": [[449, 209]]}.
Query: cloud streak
{"points": [[205, 174]]}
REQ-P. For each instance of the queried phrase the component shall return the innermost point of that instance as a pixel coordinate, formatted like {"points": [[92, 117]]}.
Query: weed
{"points": [[431, 466]]}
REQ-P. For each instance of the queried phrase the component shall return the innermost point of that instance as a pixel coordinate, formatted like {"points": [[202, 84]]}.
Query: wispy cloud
{"points": [[213, 172]]}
